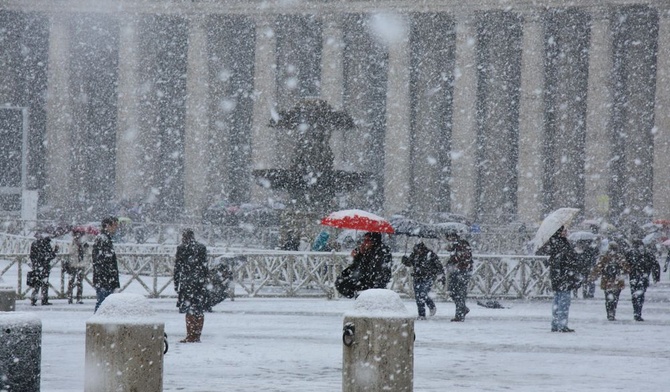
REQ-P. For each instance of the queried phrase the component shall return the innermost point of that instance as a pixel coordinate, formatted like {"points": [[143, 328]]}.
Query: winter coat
{"points": [[373, 267], [642, 264], [461, 256], [41, 255], [105, 266], [190, 278], [611, 269], [425, 264], [80, 255], [563, 263]]}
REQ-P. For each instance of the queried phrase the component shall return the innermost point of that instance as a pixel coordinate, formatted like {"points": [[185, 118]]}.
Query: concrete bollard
{"points": [[7, 299], [124, 346], [20, 352], [378, 339]]}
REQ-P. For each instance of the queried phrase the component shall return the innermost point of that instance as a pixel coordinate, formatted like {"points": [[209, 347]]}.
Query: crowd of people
{"points": [[571, 267]]}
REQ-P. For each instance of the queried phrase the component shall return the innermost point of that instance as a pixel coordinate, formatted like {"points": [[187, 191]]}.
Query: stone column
{"points": [[129, 156], [598, 112], [263, 138], [196, 137], [59, 114], [397, 141], [332, 81], [661, 128], [531, 120], [464, 132]]}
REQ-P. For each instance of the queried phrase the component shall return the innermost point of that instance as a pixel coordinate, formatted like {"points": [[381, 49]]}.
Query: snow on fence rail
{"points": [[259, 273]]}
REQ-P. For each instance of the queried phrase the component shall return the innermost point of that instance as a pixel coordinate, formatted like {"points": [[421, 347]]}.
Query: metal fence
{"points": [[291, 274]]}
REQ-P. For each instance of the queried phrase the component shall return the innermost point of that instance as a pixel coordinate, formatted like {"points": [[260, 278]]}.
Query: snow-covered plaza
{"points": [[282, 344]]}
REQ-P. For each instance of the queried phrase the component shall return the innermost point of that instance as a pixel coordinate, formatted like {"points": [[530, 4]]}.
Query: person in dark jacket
{"points": [[563, 272], [586, 252], [611, 269], [642, 264], [105, 266], [459, 266], [190, 283], [426, 267], [41, 255], [370, 268]]}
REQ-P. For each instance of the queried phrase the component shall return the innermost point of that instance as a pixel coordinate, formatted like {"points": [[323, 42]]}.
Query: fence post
{"points": [[124, 346], [378, 338]]}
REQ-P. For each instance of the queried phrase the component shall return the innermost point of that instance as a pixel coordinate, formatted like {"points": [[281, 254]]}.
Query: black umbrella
{"points": [[412, 228]]}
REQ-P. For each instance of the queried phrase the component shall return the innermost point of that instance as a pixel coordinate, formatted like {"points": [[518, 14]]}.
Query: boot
{"points": [[197, 327], [190, 328]]}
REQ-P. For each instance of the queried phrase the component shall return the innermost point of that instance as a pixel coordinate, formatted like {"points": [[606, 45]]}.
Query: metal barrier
{"points": [[293, 274]]}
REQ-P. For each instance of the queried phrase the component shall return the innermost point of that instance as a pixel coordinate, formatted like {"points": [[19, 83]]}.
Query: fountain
{"points": [[311, 180]]}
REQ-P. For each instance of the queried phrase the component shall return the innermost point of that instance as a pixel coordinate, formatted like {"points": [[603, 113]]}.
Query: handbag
{"points": [[32, 280]]}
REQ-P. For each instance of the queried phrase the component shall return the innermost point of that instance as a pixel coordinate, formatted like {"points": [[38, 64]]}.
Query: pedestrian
{"points": [[611, 269], [459, 268], [190, 283], [105, 266], [370, 267], [642, 264], [586, 252], [564, 275], [80, 259], [41, 255], [426, 267]]}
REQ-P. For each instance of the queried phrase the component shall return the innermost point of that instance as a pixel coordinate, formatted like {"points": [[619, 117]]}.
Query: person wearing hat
{"points": [[105, 266], [426, 267], [460, 266]]}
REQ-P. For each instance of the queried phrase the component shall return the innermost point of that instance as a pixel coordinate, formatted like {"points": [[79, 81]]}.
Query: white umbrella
{"points": [[551, 224]]}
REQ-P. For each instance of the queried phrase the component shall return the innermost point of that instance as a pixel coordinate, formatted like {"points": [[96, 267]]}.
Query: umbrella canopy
{"points": [[666, 242], [662, 222], [412, 228], [551, 224], [582, 236], [358, 220], [445, 228]]}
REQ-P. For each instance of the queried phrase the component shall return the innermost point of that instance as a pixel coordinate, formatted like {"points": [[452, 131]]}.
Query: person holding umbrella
{"points": [[564, 274], [370, 268], [426, 267]]}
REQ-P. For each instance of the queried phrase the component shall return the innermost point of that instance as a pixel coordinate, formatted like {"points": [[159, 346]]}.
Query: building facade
{"points": [[501, 111]]}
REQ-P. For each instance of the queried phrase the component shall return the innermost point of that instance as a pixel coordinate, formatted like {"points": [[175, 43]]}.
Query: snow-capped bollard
{"points": [[124, 346], [7, 299], [378, 338], [20, 351]]}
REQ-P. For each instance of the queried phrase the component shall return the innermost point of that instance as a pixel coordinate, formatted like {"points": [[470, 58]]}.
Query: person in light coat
{"points": [[611, 269], [80, 259]]}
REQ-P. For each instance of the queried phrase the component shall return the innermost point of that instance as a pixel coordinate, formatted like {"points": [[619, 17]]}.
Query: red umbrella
{"points": [[664, 222], [358, 220], [91, 230]]}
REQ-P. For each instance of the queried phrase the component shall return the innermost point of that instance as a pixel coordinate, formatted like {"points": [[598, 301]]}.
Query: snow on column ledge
{"points": [[125, 308], [18, 319], [379, 303]]}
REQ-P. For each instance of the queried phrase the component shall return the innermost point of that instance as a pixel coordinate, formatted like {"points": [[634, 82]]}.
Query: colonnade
{"points": [[496, 113]]}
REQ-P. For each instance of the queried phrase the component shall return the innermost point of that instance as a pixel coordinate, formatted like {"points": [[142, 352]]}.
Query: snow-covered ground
{"points": [[278, 344]]}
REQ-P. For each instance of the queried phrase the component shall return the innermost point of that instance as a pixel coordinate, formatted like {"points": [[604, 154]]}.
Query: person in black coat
{"points": [[564, 275], [105, 266], [459, 267], [642, 264], [190, 283], [426, 267], [41, 255], [370, 268]]}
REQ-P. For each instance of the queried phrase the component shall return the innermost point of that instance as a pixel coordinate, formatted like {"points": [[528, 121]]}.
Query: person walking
{"points": [[80, 259], [41, 255], [459, 267], [642, 264], [611, 269], [426, 267], [105, 266], [563, 273], [586, 252], [190, 283]]}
